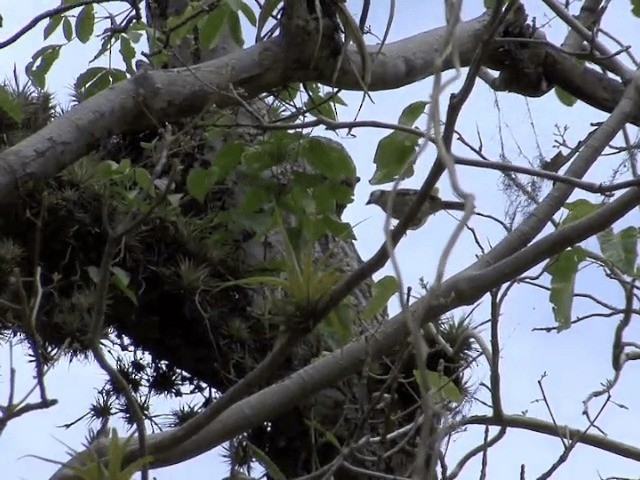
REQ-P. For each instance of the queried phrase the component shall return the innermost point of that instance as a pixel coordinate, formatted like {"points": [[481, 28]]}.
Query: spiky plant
{"points": [[27, 110]]}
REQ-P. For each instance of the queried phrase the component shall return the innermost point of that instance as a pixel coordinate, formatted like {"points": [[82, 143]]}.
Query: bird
{"points": [[402, 200]]}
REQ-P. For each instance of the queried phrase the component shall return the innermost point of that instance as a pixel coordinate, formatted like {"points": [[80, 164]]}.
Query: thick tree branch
{"points": [[144, 101], [277, 399], [544, 248], [583, 82], [610, 62], [154, 97], [408, 60], [461, 290]]}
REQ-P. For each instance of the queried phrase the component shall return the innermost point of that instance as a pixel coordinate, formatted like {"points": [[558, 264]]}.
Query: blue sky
{"points": [[576, 362]]}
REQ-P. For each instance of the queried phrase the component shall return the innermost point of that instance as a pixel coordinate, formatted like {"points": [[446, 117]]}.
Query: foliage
{"points": [[24, 109], [115, 469], [395, 154], [618, 252], [304, 282], [188, 247]]}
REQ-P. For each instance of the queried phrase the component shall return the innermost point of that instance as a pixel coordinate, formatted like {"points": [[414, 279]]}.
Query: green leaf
{"points": [[121, 279], [298, 201], [336, 328], [268, 8], [635, 7], [254, 198], [183, 24], [311, 180], [382, 291], [96, 79], [333, 225], [67, 29], [40, 64], [135, 32], [258, 159], [106, 45], [10, 105], [441, 387], [289, 93], [234, 5], [227, 159], [260, 223], [578, 210], [142, 177], [396, 150], [235, 28], [328, 158], [116, 75], [338, 100], [329, 435], [276, 147], [52, 26], [269, 466], [563, 270], [211, 27], [127, 52], [318, 105], [99, 83], [393, 158], [247, 11], [199, 183], [565, 97], [107, 169], [324, 199], [621, 249], [272, 151], [84, 23], [343, 193], [411, 113], [124, 166]]}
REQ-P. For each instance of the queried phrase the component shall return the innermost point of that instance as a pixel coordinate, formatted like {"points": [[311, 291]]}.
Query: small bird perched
{"points": [[402, 200]]}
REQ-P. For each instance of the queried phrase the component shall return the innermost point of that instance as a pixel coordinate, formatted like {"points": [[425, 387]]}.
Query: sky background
{"points": [[575, 362]]}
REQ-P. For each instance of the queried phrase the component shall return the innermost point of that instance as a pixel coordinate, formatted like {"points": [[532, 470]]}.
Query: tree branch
{"points": [[142, 102], [48, 14], [153, 97], [560, 431], [544, 211], [458, 291]]}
